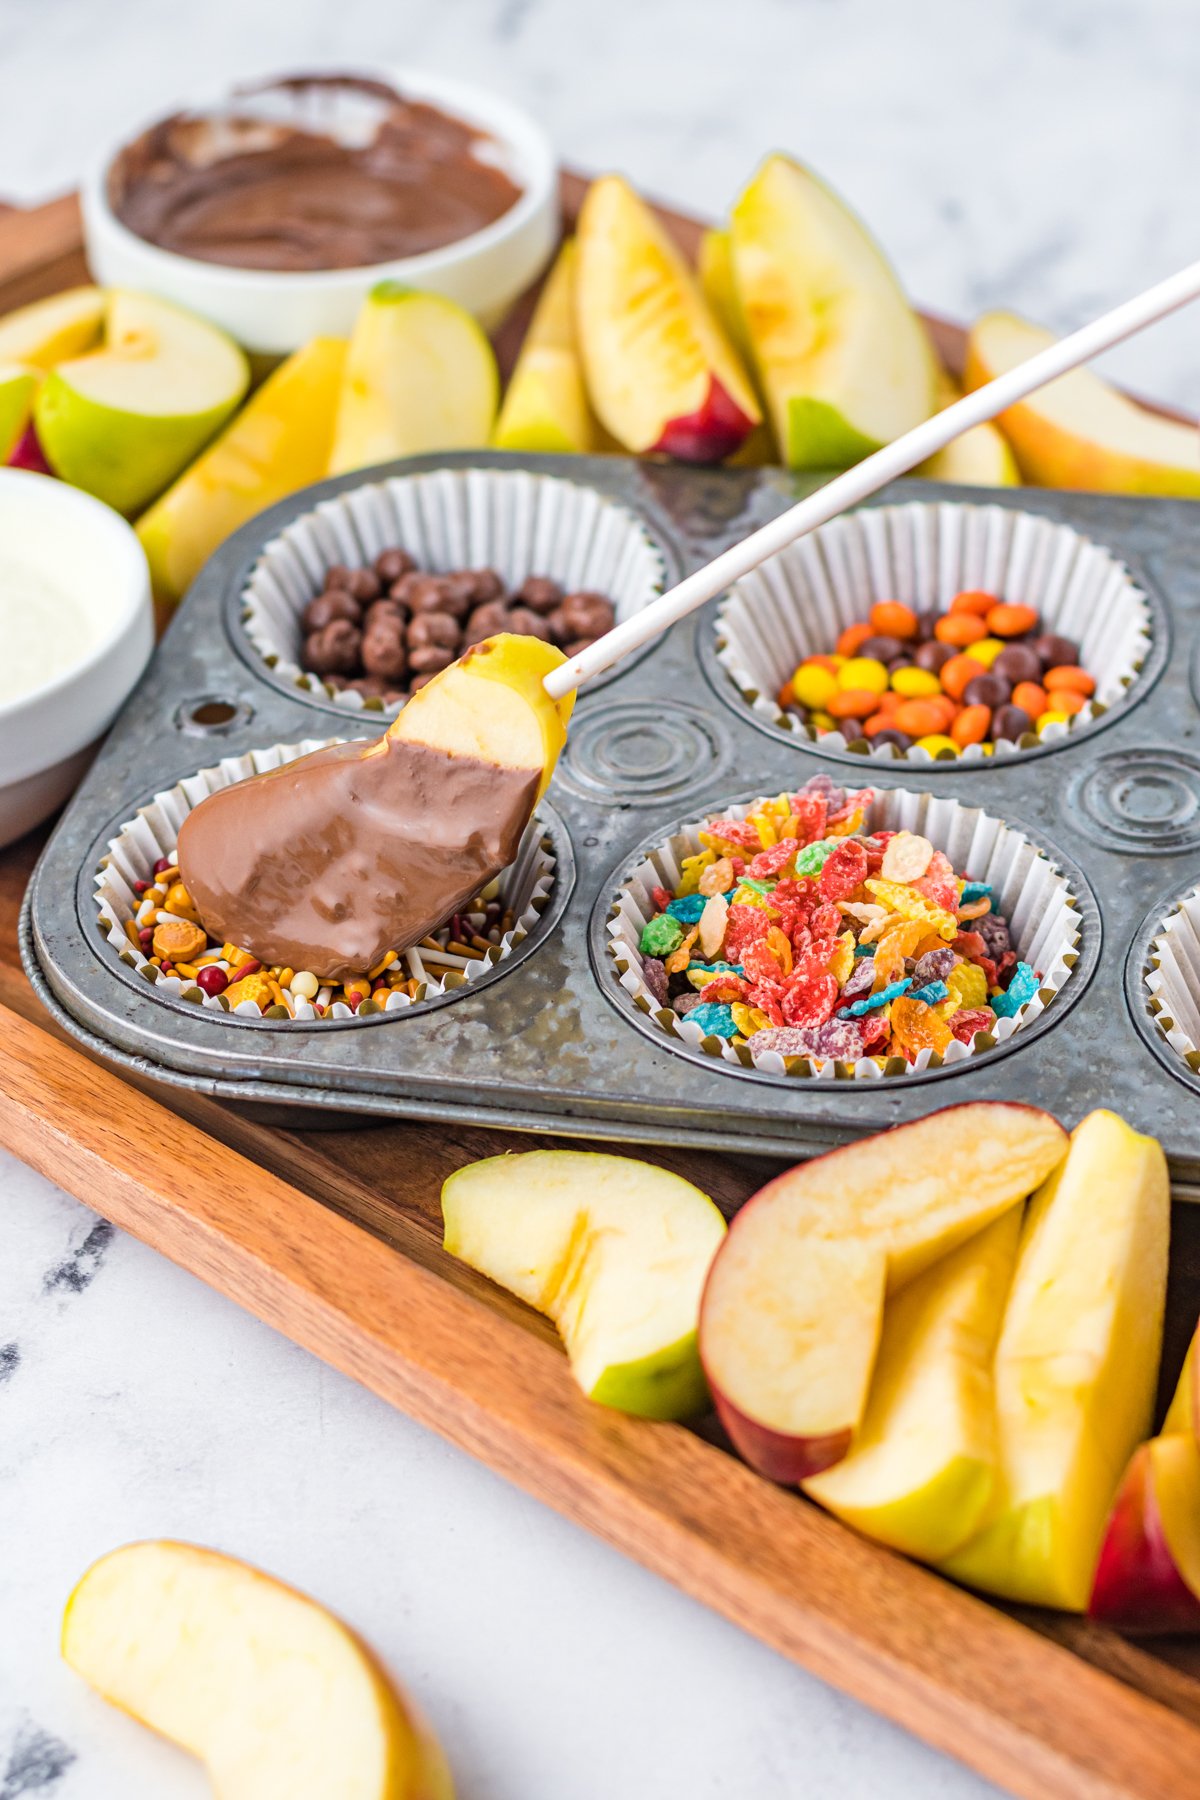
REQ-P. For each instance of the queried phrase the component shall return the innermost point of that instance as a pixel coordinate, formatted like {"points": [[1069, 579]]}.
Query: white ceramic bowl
{"points": [[92, 560], [273, 312]]}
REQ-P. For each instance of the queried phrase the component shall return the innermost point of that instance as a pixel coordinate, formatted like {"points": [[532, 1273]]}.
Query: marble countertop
{"points": [[1038, 155]]}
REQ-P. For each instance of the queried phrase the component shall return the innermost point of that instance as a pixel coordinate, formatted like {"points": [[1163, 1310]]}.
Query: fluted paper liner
{"points": [[799, 602], [510, 520], [1031, 893], [154, 831], [1173, 979]]}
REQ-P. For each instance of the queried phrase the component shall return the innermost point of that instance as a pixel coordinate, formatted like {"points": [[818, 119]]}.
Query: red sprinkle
{"points": [[141, 887], [212, 980], [164, 862]]}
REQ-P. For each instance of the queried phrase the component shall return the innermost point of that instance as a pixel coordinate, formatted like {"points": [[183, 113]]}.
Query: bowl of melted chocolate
{"points": [[275, 211]]}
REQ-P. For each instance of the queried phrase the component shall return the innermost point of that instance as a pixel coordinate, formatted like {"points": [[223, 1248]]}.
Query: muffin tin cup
{"points": [[525, 887], [1172, 979], [1028, 889], [800, 601], [514, 521]]}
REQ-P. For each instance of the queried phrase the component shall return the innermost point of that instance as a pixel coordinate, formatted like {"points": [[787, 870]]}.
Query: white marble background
{"points": [[1034, 153]]}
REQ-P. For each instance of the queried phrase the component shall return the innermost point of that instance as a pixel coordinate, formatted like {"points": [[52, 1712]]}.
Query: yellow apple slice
{"points": [[279, 442], [794, 1303], [613, 1250], [123, 419], [277, 1698], [546, 408], [1148, 1574], [920, 1469], [328, 862], [1183, 1414], [47, 331], [1078, 432], [979, 458], [420, 376], [661, 372], [715, 269], [1076, 1366], [18, 386], [510, 720], [843, 361]]}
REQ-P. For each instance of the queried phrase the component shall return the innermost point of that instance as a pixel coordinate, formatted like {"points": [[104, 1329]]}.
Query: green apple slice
{"points": [[613, 1250], [420, 376], [18, 385], [46, 331], [122, 420], [921, 1466], [278, 1699], [844, 362]]}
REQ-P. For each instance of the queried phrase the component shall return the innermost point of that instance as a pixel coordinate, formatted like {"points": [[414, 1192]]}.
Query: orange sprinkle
{"points": [[1010, 621], [973, 600], [1068, 678], [1066, 700], [919, 718], [960, 629], [854, 703], [1031, 698], [891, 618], [972, 725], [958, 673], [852, 637]]}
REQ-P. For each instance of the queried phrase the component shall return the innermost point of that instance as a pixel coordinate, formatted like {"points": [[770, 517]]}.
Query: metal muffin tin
{"points": [[551, 1042]]}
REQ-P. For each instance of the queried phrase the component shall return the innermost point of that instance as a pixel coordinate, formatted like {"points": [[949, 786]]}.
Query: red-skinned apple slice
{"points": [[793, 1306], [1148, 1576], [661, 372]]}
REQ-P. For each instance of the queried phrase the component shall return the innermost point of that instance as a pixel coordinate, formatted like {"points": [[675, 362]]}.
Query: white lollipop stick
{"points": [[876, 471]]}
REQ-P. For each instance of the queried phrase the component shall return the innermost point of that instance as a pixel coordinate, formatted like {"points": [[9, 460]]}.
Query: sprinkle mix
{"points": [[166, 931], [981, 672], [795, 931]]}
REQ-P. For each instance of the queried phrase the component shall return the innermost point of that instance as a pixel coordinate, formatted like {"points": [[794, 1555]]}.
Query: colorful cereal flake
{"points": [[793, 932]]}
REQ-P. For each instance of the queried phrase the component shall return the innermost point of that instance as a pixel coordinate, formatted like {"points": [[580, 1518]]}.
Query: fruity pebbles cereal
{"points": [[799, 930]]}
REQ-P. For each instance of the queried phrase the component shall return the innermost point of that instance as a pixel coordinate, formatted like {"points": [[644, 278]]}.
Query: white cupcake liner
{"points": [[799, 602], [1028, 890], [524, 887], [510, 520], [1173, 979]]}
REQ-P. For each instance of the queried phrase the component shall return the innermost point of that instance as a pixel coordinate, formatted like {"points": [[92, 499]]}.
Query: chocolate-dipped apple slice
{"points": [[334, 859]]}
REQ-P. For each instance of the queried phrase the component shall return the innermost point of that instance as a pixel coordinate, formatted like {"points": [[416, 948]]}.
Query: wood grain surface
{"points": [[334, 1238]]}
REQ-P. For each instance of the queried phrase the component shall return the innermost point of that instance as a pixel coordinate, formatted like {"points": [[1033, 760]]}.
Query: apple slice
{"points": [[715, 269], [328, 862], [18, 385], [1183, 1414], [546, 408], [921, 1467], [843, 360], [279, 442], [614, 1251], [1076, 1366], [420, 376], [1148, 1575], [122, 420], [276, 1697], [794, 1303], [661, 372], [48, 331], [1078, 432], [979, 458]]}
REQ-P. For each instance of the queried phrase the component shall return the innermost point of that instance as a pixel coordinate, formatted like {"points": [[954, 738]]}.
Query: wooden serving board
{"points": [[334, 1238]]}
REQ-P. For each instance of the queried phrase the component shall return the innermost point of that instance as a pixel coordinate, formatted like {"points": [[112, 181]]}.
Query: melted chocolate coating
{"points": [[255, 193], [334, 859]]}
